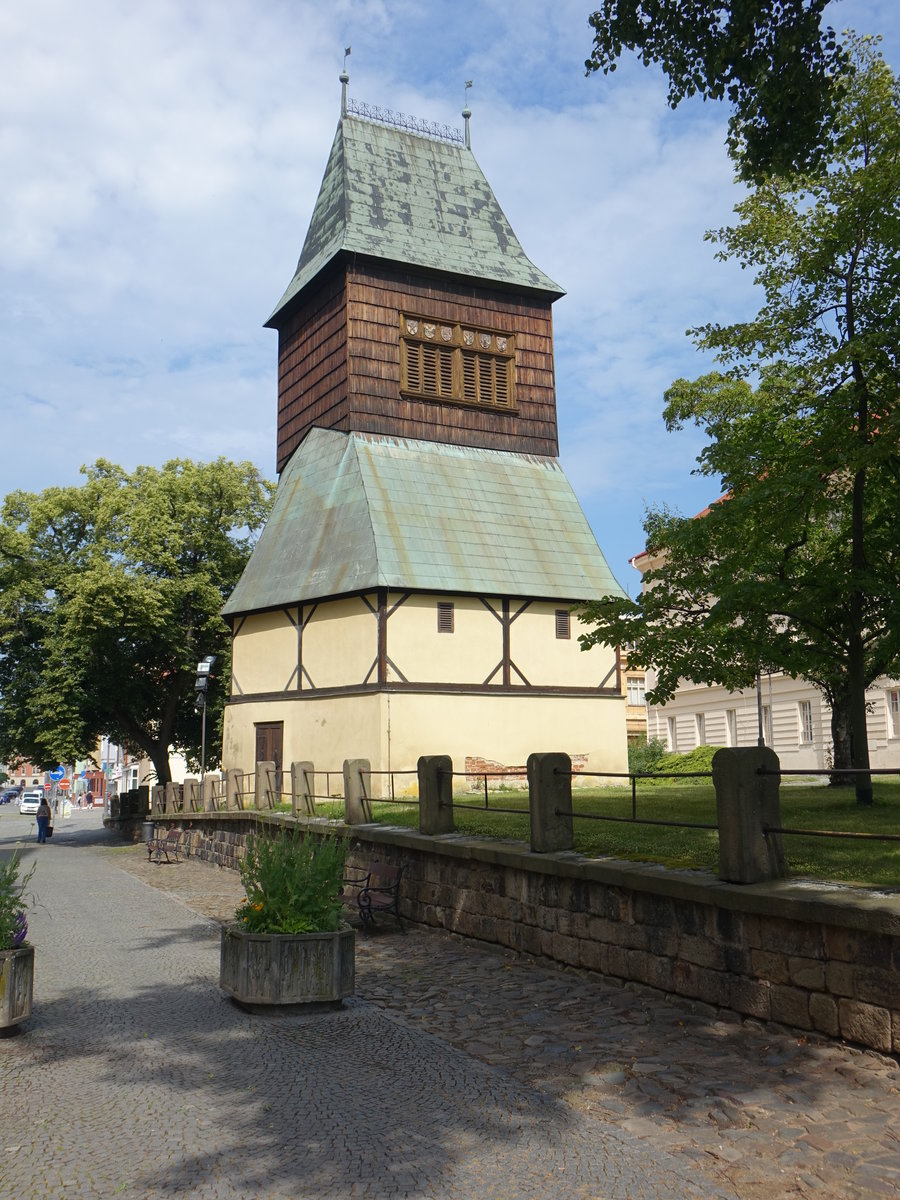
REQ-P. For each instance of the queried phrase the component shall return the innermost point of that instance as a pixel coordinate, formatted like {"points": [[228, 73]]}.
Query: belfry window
{"points": [[461, 363]]}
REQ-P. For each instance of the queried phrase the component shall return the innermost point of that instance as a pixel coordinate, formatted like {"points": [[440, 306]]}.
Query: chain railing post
{"points": [[436, 794]]}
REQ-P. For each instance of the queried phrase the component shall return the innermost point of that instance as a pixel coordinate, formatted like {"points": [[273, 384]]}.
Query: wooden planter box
{"points": [[283, 968], [16, 985]]}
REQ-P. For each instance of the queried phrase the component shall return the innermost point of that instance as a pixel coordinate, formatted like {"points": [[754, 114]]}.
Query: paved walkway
{"points": [[492, 1076]]}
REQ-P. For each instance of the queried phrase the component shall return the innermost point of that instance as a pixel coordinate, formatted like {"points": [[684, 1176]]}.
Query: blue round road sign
{"points": [[59, 773]]}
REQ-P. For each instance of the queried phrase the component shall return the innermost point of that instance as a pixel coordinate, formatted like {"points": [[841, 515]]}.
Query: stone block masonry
{"points": [[813, 958]]}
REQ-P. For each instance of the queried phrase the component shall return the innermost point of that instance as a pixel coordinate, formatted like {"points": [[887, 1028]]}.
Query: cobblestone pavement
{"points": [[137, 1077], [496, 1076]]}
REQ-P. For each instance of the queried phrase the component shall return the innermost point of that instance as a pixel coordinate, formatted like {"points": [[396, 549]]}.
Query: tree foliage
{"points": [[797, 567], [110, 594], [771, 59]]}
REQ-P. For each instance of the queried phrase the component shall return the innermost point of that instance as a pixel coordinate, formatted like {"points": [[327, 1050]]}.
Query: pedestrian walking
{"points": [[43, 815]]}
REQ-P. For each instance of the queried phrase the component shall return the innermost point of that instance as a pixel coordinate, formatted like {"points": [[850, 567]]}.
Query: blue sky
{"points": [[160, 163]]}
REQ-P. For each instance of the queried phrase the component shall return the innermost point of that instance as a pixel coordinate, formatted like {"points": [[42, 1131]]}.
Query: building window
{"points": [[444, 617], [563, 623], [893, 703], [635, 690], [673, 733], [461, 363], [730, 727], [701, 729], [767, 725], [804, 712]]}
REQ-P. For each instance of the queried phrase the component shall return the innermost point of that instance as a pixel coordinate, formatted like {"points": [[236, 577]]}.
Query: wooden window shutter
{"points": [[445, 617], [413, 366], [501, 376], [429, 370], [445, 357], [563, 623], [470, 383]]}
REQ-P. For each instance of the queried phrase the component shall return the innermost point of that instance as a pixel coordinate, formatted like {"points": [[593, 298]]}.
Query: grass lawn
{"points": [[802, 807]]}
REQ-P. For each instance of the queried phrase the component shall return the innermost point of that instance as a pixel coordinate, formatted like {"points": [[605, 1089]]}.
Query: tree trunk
{"points": [[840, 740], [159, 756], [859, 731]]}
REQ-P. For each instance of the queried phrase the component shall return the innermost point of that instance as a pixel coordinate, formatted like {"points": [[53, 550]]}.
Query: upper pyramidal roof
{"points": [[414, 199]]}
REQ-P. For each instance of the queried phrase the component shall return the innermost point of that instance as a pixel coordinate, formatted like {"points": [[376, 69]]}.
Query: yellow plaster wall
{"points": [[264, 652], [506, 729], [340, 643], [393, 730], [468, 655], [548, 661], [323, 731]]}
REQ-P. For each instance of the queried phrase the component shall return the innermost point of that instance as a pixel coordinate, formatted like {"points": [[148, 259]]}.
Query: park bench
{"points": [[376, 890], [165, 847]]}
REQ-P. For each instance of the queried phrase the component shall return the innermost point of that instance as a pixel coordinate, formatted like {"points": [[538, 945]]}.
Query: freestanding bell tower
{"points": [[412, 591]]}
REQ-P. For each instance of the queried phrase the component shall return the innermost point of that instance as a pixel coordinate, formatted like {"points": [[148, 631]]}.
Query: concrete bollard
{"points": [[234, 801], [357, 791], [436, 794], [157, 800], [143, 800], [303, 789], [266, 789], [746, 802], [208, 786], [191, 794], [173, 798], [550, 802]]}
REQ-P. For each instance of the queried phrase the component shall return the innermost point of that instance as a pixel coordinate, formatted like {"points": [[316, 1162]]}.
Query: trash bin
{"points": [[147, 828]]}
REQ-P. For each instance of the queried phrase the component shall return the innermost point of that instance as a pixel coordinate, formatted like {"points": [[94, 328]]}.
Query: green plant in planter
{"points": [[13, 921], [293, 884]]}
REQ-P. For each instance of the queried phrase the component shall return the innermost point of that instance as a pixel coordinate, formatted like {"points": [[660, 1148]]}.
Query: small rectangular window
{"points": [[731, 727], [701, 729], [444, 617], [806, 721], [893, 701], [635, 689], [563, 623], [767, 725], [672, 733]]}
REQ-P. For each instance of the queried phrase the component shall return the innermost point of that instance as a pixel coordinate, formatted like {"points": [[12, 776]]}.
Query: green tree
{"points": [[110, 594], [770, 59], [797, 568]]}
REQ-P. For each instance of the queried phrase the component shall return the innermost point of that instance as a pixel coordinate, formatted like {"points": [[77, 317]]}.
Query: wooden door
{"points": [[269, 746]]}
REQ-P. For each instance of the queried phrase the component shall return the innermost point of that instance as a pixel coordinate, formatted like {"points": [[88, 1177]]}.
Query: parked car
{"points": [[30, 800], [8, 795]]}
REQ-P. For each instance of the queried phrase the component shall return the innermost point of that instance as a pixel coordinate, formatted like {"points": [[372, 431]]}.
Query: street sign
{"points": [[58, 773], [63, 784]]}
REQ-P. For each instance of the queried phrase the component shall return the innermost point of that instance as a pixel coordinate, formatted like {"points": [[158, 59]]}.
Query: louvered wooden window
{"points": [[563, 623], [456, 362], [444, 617]]}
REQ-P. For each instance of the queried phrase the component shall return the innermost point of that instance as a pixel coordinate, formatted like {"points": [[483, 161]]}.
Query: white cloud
{"points": [[160, 164]]}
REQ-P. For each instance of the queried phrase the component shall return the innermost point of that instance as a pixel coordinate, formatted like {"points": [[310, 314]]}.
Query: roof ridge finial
{"points": [[345, 79], [466, 113]]}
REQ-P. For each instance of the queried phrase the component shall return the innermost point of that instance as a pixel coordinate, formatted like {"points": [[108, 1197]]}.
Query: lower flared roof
{"points": [[354, 512]]}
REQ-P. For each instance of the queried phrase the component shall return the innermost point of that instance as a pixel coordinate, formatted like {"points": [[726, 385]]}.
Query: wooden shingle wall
{"points": [[312, 367], [339, 363]]}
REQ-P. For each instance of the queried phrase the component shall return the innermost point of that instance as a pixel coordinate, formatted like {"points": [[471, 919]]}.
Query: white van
{"points": [[30, 799]]}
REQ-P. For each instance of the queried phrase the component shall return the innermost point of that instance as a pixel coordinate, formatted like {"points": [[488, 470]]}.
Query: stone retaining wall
{"points": [[812, 957]]}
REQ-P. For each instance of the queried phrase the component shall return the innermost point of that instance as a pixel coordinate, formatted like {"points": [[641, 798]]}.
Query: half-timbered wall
{"points": [[396, 639], [339, 363]]}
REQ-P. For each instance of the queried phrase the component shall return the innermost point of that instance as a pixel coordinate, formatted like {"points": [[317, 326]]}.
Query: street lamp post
{"points": [[201, 686]]}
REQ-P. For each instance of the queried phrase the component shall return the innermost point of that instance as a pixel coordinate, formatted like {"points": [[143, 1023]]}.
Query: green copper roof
{"points": [[413, 200], [356, 512]]}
